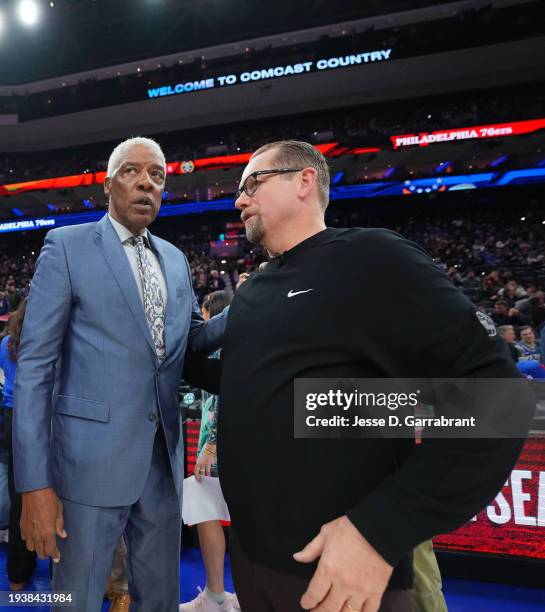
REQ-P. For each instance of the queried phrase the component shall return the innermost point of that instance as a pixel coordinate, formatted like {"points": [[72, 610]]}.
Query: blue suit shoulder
{"points": [[72, 232]]}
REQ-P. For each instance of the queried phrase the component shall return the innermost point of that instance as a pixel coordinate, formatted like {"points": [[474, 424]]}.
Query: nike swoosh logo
{"points": [[293, 293]]}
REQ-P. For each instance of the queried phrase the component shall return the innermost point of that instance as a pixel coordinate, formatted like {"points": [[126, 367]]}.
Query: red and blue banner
{"points": [[513, 524]]}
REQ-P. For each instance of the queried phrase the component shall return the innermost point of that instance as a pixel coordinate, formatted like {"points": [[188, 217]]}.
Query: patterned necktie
{"points": [[154, 304]]}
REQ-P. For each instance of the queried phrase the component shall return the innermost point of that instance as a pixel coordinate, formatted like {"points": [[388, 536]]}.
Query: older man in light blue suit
{"points": [[97, 442]]}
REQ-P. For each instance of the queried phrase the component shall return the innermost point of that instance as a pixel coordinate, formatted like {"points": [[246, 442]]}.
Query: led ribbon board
{"points": [[176, 167], [493, 130], [270, 72], [344, 192]]}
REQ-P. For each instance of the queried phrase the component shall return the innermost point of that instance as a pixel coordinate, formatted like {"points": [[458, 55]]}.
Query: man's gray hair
{"points": [[503, 329], [116, 156], [299, 154]]}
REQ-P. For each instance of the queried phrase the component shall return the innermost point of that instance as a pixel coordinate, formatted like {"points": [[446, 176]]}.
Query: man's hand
{"points": [[41, 520], [351, 575], [205, 462], [242, 279]]}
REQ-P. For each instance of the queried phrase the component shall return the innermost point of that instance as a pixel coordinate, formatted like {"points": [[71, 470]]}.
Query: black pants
{"points": [[261, 589], [21, 562]]}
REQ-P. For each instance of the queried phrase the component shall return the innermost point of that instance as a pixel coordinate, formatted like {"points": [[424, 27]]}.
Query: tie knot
{"points": [[139, 240]]}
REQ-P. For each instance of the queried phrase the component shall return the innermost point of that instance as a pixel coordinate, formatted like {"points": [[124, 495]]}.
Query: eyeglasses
{"points": [[250, 185]]}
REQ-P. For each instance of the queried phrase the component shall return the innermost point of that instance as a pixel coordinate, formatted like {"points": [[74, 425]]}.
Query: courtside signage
{"points": [[351, 192], [513, 524]]}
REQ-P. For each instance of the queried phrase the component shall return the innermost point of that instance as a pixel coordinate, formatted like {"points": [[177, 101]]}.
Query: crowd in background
{"points": [[205, 273], [369, 125], [15, 275], [493, 255]]}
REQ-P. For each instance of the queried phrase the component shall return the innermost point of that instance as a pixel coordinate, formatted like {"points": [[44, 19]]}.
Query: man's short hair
{"points": [[502, 303], [505, 328], [117, 154], [524, 327], [296, 153]]}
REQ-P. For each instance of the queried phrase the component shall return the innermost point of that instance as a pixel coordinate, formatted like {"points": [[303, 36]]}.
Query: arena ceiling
{"points": [[72, 36]]}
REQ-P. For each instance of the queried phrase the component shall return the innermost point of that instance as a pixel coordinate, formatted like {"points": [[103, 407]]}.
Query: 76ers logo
{"points": [[187, 167], [487, 323]]}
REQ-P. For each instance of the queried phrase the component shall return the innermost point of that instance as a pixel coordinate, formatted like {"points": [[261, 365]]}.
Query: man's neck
{"points": [[134, 232], [292, 237]]}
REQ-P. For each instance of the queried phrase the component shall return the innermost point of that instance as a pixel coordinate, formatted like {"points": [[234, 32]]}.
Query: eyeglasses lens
{"points": [[251, 185]]}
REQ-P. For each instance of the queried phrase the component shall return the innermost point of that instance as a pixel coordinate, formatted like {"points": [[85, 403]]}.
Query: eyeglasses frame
{"points": [[260, 173]]}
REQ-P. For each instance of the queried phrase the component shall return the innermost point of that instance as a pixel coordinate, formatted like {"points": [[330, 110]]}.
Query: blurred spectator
{"points": [[201, 286], [211, 536], [216, 283], [533, 308], [21, 562], [528, 346], [511, 293], [507, 332], [455, 277], [5, 306], [489, 287], [505, 316], [14, 296], [471, 280]]}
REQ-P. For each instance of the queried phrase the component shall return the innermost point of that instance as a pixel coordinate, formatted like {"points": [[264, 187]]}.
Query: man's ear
{"points": [[107, 186], [309, 178]]}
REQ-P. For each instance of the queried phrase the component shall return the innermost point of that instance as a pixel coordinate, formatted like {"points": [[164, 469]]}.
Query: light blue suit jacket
{"points": [[88, 381]]}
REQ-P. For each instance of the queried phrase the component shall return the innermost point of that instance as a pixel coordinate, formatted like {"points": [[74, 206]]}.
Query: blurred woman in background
{"points": [[21, 562], [211, 536]]}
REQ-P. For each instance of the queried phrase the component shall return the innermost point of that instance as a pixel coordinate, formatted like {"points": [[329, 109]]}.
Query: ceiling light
{"points": [[28, 12]]}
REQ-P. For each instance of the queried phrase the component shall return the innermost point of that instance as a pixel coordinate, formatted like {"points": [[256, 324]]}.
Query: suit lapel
{"points": [[168, 273], [116, 258]]}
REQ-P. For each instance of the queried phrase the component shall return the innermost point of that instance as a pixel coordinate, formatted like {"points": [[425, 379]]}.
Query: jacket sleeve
{"points": [[46, 320], [202, 372], [433, 332], [205, 336]]}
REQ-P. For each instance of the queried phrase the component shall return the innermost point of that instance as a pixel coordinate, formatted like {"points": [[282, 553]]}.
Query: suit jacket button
{"points": [[152, 417]]}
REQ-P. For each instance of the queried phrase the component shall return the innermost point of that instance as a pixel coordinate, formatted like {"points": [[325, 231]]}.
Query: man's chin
{"points": [[141, 221], [254, 238], [254, 233]]}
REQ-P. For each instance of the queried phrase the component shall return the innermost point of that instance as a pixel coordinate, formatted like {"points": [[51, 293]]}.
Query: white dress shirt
{"points": [[126, 237]]}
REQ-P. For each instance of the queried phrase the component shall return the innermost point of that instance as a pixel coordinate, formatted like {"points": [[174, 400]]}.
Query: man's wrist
{"points": [[36, 491]]}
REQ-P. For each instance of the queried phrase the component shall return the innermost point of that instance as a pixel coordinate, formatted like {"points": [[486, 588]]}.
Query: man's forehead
{"points": [[261, 162], [141, 153]]}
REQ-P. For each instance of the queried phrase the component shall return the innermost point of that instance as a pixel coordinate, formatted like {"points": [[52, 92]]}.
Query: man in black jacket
{"points": [[353, 508]]}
